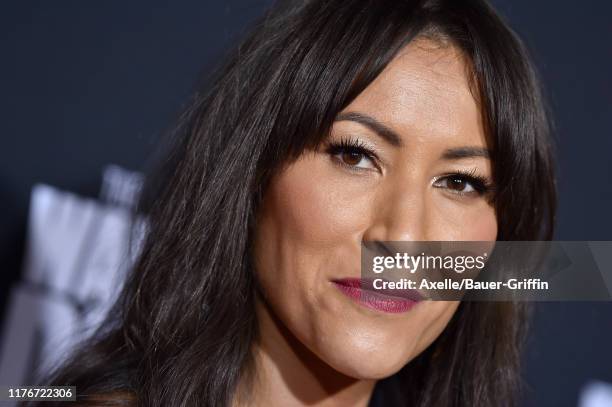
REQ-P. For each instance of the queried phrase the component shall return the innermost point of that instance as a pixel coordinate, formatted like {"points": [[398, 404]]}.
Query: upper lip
{"points": [[367, 284]]}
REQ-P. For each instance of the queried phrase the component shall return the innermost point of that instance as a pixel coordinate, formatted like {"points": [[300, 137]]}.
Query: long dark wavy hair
{"points": [[182, 330]]}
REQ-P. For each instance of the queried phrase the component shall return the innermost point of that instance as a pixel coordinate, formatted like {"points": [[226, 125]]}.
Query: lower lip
{"points": [[375, 301]]}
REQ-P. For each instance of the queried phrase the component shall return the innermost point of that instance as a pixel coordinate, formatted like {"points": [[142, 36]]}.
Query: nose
{"points": [[399, 214]]}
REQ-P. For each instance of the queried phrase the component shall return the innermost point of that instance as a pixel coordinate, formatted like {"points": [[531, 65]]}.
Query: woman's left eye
{"points": [[462, 184]]}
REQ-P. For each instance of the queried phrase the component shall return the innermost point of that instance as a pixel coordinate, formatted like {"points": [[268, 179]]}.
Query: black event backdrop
{"points": [[84, 84]]}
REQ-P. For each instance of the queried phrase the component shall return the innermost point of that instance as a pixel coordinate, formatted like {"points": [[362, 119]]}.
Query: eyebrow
{"points": [[465, 152], [395, 140], [377, 127]]}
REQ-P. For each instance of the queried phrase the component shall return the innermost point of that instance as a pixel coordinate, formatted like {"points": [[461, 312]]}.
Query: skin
{"points": [[318, 347]]}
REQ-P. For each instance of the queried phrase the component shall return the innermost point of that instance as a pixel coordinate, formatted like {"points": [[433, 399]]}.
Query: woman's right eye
{"points": [[353, 155], [355, 158]]}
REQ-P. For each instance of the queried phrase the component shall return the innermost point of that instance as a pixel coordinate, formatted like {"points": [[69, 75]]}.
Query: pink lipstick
{"points": [[362, 292]]}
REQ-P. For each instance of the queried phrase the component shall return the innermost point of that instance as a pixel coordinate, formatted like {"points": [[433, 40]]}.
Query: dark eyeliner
{"points": [[481, 184], [351, 145]]}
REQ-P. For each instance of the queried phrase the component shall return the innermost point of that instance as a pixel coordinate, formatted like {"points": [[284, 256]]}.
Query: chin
{"points": [[369, 368], [368, 361]]}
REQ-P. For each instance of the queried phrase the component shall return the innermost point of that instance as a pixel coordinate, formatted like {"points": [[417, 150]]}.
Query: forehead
{"points": [[424, 94]]}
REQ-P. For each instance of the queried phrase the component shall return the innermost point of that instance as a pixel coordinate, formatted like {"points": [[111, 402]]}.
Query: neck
{"points": [[286, 373]]}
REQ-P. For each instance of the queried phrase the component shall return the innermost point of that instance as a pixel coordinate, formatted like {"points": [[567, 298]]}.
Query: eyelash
{"points": [[481, 184], [355, 146]]}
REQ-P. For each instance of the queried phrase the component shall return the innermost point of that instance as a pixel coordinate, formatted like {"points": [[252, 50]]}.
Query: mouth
{"points": [[363, 292]]}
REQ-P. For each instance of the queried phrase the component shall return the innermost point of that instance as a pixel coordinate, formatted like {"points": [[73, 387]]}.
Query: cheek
{"points": [[453, 221], [308, 225], [314, 205], [481, 225]]}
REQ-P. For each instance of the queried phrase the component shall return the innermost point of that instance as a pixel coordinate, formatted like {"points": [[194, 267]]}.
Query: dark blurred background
{"points": [[84, 84]]}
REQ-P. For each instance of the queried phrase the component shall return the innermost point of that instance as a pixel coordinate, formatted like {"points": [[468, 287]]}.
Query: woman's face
{"points": [[406, 160]]}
